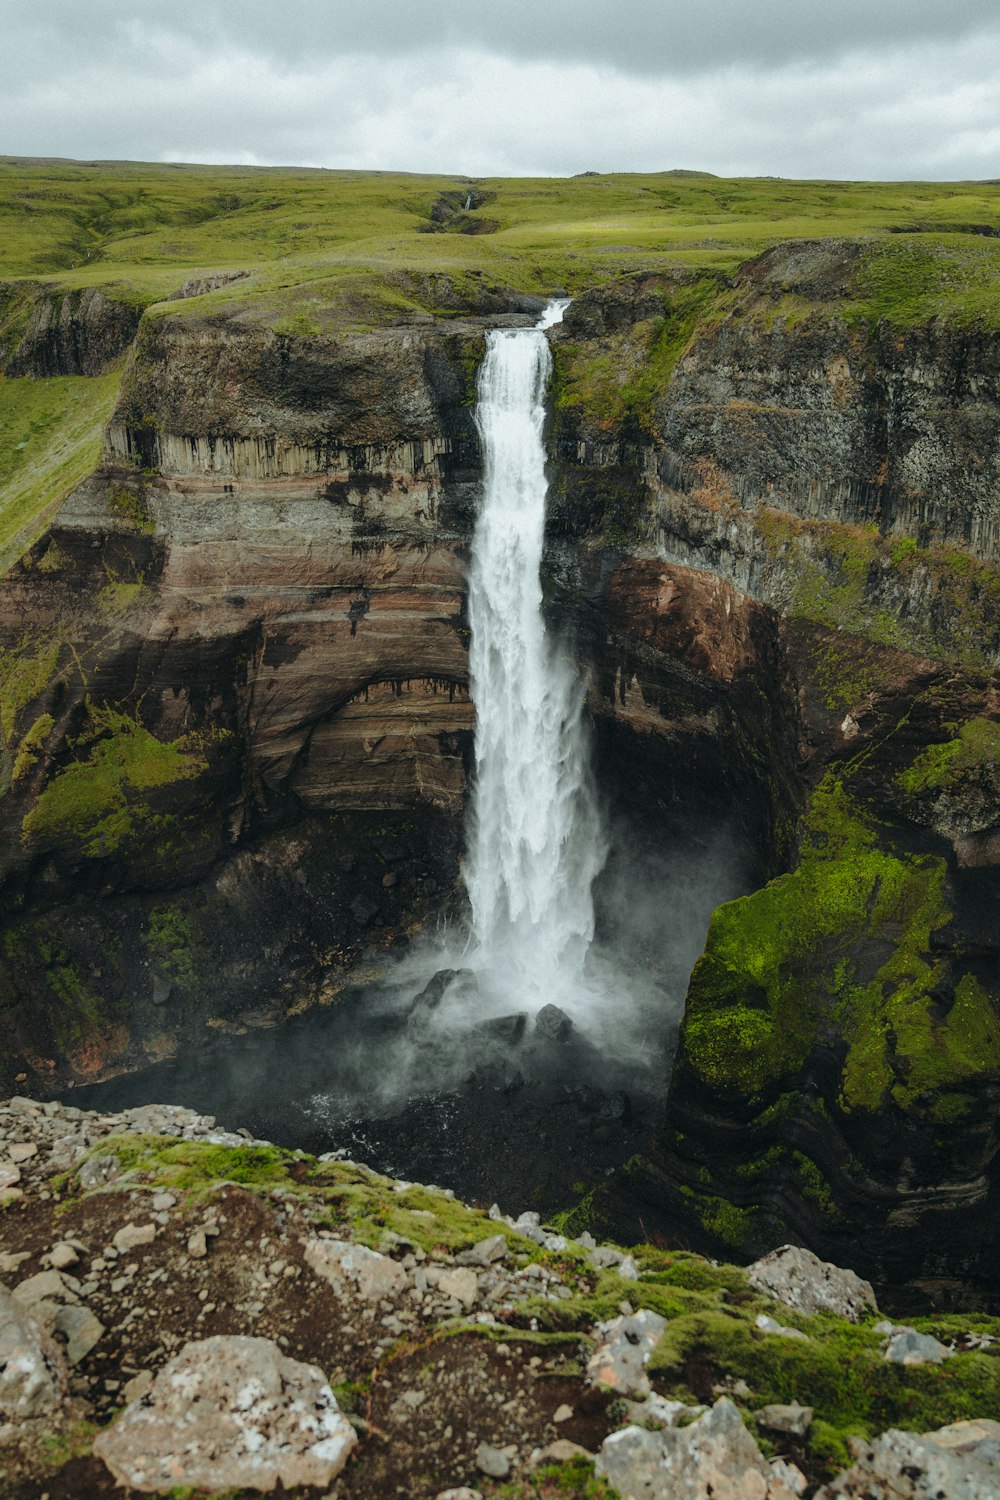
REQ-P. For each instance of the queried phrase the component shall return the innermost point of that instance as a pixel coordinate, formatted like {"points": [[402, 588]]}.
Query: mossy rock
{"points": [[839, 951]]}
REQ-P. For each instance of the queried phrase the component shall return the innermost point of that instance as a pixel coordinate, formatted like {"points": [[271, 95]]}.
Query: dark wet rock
{"points": [[553, 1023], [162, 989], [507, 1030], [436, 988], [364, 910]]}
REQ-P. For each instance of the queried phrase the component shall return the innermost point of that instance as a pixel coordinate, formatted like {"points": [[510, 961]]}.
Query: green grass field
{"points": [[328, 250], [143, 230]]}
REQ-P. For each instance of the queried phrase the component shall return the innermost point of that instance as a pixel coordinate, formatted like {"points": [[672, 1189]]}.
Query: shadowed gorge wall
{"points": [[236, 725]]}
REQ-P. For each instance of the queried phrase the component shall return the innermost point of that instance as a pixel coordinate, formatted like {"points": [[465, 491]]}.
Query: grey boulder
{"points": [[553, 1022], [229, 1413], [54, 1300], [32, 1371], [622, 1353], [351, 1268], [905, 1346], [961, 1462], [714, 1458], [799, 1279]]}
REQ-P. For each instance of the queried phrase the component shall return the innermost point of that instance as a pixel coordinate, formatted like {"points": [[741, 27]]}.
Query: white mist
{"points": [[536, 841]]}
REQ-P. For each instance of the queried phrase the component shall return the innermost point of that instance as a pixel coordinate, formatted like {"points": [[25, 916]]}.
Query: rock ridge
{"points": [[263, 1318]]}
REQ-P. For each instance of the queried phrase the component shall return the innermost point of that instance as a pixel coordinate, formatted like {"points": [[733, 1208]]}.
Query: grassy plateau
{"points": [[312, 251]]}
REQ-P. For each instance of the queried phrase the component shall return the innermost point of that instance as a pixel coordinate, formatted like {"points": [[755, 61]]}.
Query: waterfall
{"points": [[536, 841]]}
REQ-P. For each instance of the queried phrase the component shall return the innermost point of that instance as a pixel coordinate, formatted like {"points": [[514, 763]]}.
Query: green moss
{"points": [[575, 1478], [471, 358], [25, 670], [976, 747], [104, 800], [813, 1184], [839, 1371], [423, 1216], [948, 1109], [736, 1049], [903, 550], [760, 1166], [731, 1225], [129, 505], [198, 1167], [843, 671], [29, 748], [834, 592], [176, 946], [73, 1440], [299, 325], [53, 559], [118, 596], [783, 963]]}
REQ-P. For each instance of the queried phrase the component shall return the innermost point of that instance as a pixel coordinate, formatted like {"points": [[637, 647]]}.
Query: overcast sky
{"points": [[795, 88]]}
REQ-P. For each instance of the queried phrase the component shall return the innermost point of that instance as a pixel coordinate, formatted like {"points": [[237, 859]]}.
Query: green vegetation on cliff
{"points": [[623, 383], [853, 578], [50, 439], [977, 746], [841, 947], [104, 800]]}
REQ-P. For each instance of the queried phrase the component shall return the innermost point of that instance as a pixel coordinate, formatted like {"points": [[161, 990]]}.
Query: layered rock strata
{"points": [[263, 631], [838, 1066]]}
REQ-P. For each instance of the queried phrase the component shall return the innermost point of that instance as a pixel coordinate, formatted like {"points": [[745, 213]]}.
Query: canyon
{"points": [[237, 729]]}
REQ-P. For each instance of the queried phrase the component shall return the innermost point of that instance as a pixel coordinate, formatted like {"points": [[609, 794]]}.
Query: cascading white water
{"points": [[536, 840]]}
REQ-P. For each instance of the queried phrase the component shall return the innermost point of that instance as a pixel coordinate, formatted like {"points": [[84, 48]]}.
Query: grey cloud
{"points": [[641, 36], [213, 83]]}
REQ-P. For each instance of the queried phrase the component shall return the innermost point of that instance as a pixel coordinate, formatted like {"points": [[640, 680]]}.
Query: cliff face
{"points": [[838, 1068], [46, 332], [236, 717], [236, 727], [830, 417]]}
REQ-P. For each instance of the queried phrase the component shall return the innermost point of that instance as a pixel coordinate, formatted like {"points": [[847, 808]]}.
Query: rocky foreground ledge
{"points": [[187, 1311]]}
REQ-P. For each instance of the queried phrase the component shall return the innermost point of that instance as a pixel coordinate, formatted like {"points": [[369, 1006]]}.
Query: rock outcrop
{"points": [[229, 1412], [243, 667], [51, 332], [272, 1321], [715, 1458], [838, 1064]]}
